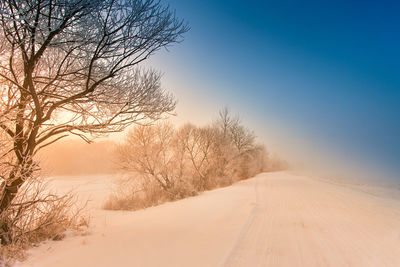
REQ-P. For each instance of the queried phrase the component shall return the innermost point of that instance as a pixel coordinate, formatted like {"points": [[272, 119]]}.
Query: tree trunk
{"points": [[9, 191]]}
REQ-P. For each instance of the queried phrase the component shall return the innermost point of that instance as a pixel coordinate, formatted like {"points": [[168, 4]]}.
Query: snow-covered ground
{"points": [[275, 219]]}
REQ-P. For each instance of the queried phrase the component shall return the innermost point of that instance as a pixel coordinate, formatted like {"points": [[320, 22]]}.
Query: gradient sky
{"points": [[305, 75]]}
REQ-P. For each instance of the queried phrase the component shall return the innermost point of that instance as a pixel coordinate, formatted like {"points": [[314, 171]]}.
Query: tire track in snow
{"points": [[245, 227]]}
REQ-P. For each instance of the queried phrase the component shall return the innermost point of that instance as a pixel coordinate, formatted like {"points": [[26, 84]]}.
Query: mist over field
{"points": [[75, 157]]}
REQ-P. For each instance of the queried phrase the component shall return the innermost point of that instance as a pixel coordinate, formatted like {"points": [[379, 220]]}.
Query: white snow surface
{"points": [[274, 219]]}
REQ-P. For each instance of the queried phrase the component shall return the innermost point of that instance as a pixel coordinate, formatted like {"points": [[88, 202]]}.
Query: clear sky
{"points": [[305, 75]]}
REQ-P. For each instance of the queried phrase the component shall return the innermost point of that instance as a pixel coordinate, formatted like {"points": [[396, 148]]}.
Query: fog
{"points": [[75, 157]]}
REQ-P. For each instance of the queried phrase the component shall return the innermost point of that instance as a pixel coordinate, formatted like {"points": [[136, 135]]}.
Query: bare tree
{"points": [[70, 67], [201, 146], [238, 147], [155, 161], [148, 151], [225, 122]]}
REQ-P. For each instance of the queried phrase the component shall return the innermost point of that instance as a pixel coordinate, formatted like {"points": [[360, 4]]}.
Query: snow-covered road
{"points": [[275, 219]]}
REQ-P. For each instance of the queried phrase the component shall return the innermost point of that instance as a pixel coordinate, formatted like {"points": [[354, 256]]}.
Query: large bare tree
{"points": [[70, 67]]}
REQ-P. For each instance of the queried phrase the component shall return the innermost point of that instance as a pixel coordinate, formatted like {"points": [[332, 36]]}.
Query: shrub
{"points": [[35, 215], [134, 195]]}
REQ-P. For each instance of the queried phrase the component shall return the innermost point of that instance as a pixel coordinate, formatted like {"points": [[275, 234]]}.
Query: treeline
{"points": [[166, 163]]}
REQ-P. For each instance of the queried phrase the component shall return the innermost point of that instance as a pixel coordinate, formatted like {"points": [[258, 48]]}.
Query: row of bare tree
{"points": [[181, 162]]}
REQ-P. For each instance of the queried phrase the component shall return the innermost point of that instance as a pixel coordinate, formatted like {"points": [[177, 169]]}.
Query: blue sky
{"points": [[316, 73]]}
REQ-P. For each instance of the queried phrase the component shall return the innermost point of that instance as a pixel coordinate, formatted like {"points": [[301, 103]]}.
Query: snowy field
{"points": [[275, 219]]}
